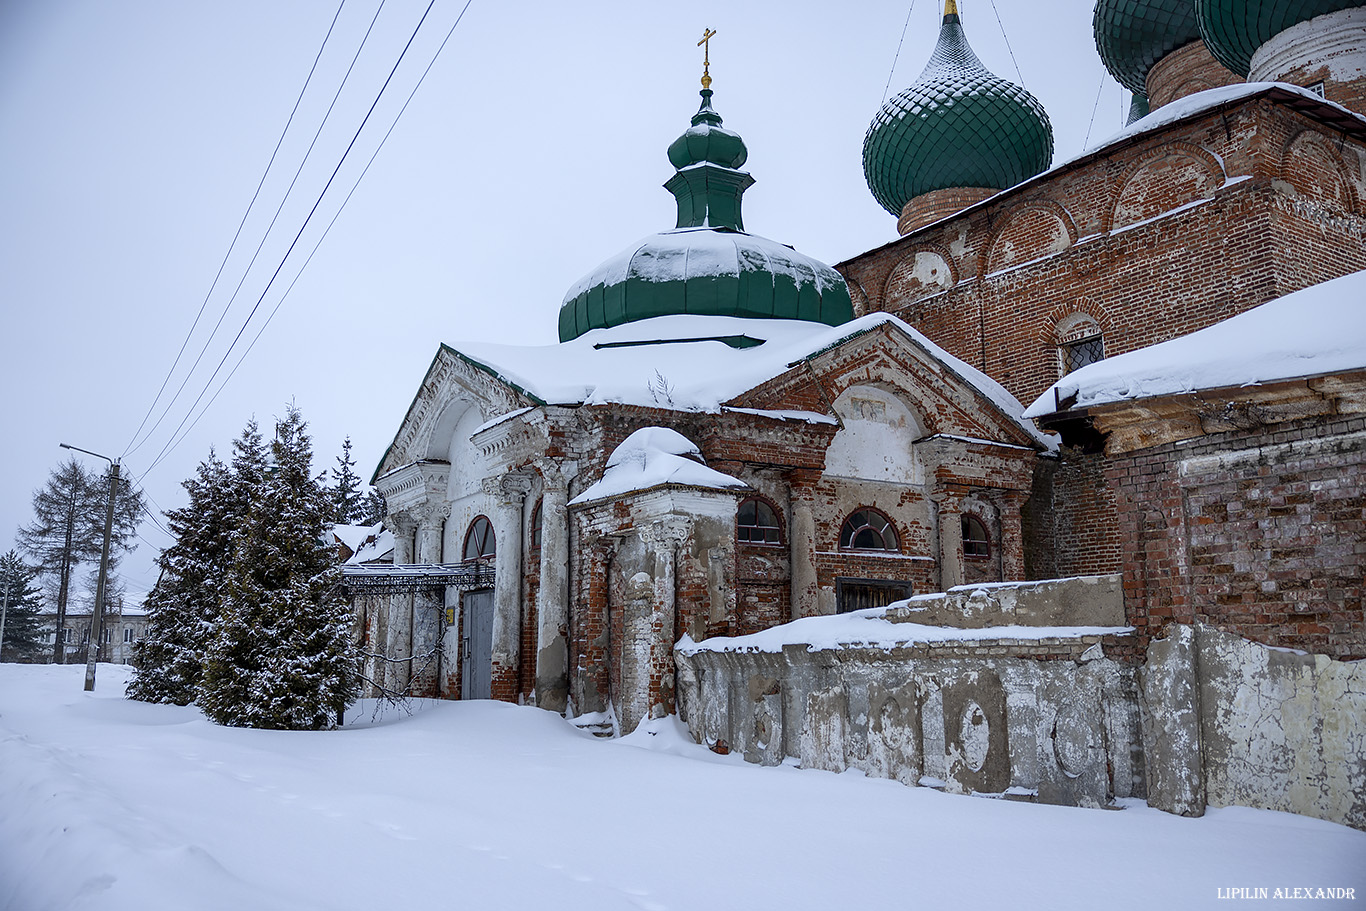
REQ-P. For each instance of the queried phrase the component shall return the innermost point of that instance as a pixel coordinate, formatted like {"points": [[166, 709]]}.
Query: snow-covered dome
{"points": [[1234, 29], [708, 264], [958, 125], [1132, 35]]}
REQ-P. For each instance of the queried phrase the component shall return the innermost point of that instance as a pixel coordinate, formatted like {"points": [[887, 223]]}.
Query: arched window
{"points": [[479, 543], [537, 521], [868, 529], [757, 523], [976, 538]]}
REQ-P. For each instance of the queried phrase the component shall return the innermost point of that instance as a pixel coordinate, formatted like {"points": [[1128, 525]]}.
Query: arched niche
{"points": [[1312, 166], [1032, 232], [875, 442], [1166, 180], [919, 274], [450, 442]]}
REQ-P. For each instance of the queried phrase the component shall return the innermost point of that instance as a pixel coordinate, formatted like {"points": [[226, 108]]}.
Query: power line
{"points": [[169, 373], [1007, 40], [1086, 143], [897, 56], [266, 235], [328, 229], [171, 443]]}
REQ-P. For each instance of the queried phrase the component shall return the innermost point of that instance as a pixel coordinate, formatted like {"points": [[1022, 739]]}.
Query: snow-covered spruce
{"points": [[280, 656], [183, 606]]}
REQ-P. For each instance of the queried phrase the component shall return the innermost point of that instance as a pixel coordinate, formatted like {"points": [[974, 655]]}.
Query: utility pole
{"points": [[92, 650], [3, 611]]}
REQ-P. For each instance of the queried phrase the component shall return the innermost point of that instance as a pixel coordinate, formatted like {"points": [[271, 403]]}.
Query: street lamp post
{"points": [[97, 615]]}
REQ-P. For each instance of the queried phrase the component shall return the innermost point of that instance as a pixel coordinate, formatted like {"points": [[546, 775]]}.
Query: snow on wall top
{"points": [[869, 629], [681, 362], [651, 457], [1321, 329]]}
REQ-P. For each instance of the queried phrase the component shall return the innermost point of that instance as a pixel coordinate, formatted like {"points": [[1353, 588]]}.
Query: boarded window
{"points": [[857, 594]]}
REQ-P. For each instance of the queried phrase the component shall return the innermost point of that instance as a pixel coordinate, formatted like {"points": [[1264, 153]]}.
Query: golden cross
{"points": [[705, 44]]}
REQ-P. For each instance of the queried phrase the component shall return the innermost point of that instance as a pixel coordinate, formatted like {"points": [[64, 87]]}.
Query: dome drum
{"points": [[1234, 30], [1185, 71]]}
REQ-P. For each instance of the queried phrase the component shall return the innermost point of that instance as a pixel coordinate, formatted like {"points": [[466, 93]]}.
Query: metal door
{"points": [[476, 646]]}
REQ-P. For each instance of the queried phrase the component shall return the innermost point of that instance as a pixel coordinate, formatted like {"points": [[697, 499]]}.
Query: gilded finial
{"points": [[706, 55], [950, 7]]}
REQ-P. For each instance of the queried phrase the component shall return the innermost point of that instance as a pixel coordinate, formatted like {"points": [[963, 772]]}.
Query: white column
{"points": [[509, 493], [801, 539], [948, 507], [428, 604], [552, 609], [398, 643]]}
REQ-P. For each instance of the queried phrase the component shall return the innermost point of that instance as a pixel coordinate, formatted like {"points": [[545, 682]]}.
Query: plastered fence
{"points": [[1208, 719]]}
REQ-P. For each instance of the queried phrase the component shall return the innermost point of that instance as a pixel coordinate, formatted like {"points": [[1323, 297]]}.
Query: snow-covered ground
{"points": [[111, 804]]}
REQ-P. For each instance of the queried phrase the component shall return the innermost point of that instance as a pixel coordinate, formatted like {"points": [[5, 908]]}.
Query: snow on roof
{"points": [[709, 252], [1319, 330], [376, 548], [651, 457], [869, 629], [353, 536], [695, 363], [1198, 103]]}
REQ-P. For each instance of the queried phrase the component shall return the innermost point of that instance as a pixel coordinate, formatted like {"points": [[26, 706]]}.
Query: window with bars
{"points": [[1077, 354]]}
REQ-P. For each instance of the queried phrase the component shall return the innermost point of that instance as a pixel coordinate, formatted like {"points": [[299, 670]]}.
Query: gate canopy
{"points": [[378, 578]]}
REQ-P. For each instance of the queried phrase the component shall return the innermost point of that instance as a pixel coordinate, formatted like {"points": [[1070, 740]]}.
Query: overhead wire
{"points": [[1009, 49], [174, 441], [266, 235], [1086, 143], [233, 244], [897, 56], [333, 221]]}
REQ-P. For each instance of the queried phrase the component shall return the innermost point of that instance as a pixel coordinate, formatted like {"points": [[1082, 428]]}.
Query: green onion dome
{"points": [[708, 265], [708, 141], [1132, 35], [1234, 29], [958, 125]]}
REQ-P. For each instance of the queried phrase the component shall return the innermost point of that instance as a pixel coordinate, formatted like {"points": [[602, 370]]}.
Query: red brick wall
{"points": [[1254, 240], [1297, 220], [1262, 534]]}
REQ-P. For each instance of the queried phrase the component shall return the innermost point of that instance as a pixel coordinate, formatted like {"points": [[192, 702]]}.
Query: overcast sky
{"points": [[134, 134]]}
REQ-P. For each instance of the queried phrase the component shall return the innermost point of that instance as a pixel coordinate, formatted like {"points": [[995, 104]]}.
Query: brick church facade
{"points": [[853, 436]]}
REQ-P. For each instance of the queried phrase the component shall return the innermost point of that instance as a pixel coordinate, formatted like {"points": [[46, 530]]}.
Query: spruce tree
{"points": [[280, 657], [345, 491], [68, 528], [23, 623], [183, 606]]}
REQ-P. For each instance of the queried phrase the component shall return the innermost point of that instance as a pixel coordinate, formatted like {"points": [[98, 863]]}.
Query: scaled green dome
{"points": [[1234, 29], [1132, 35], [956, 126], [708, 265]]}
